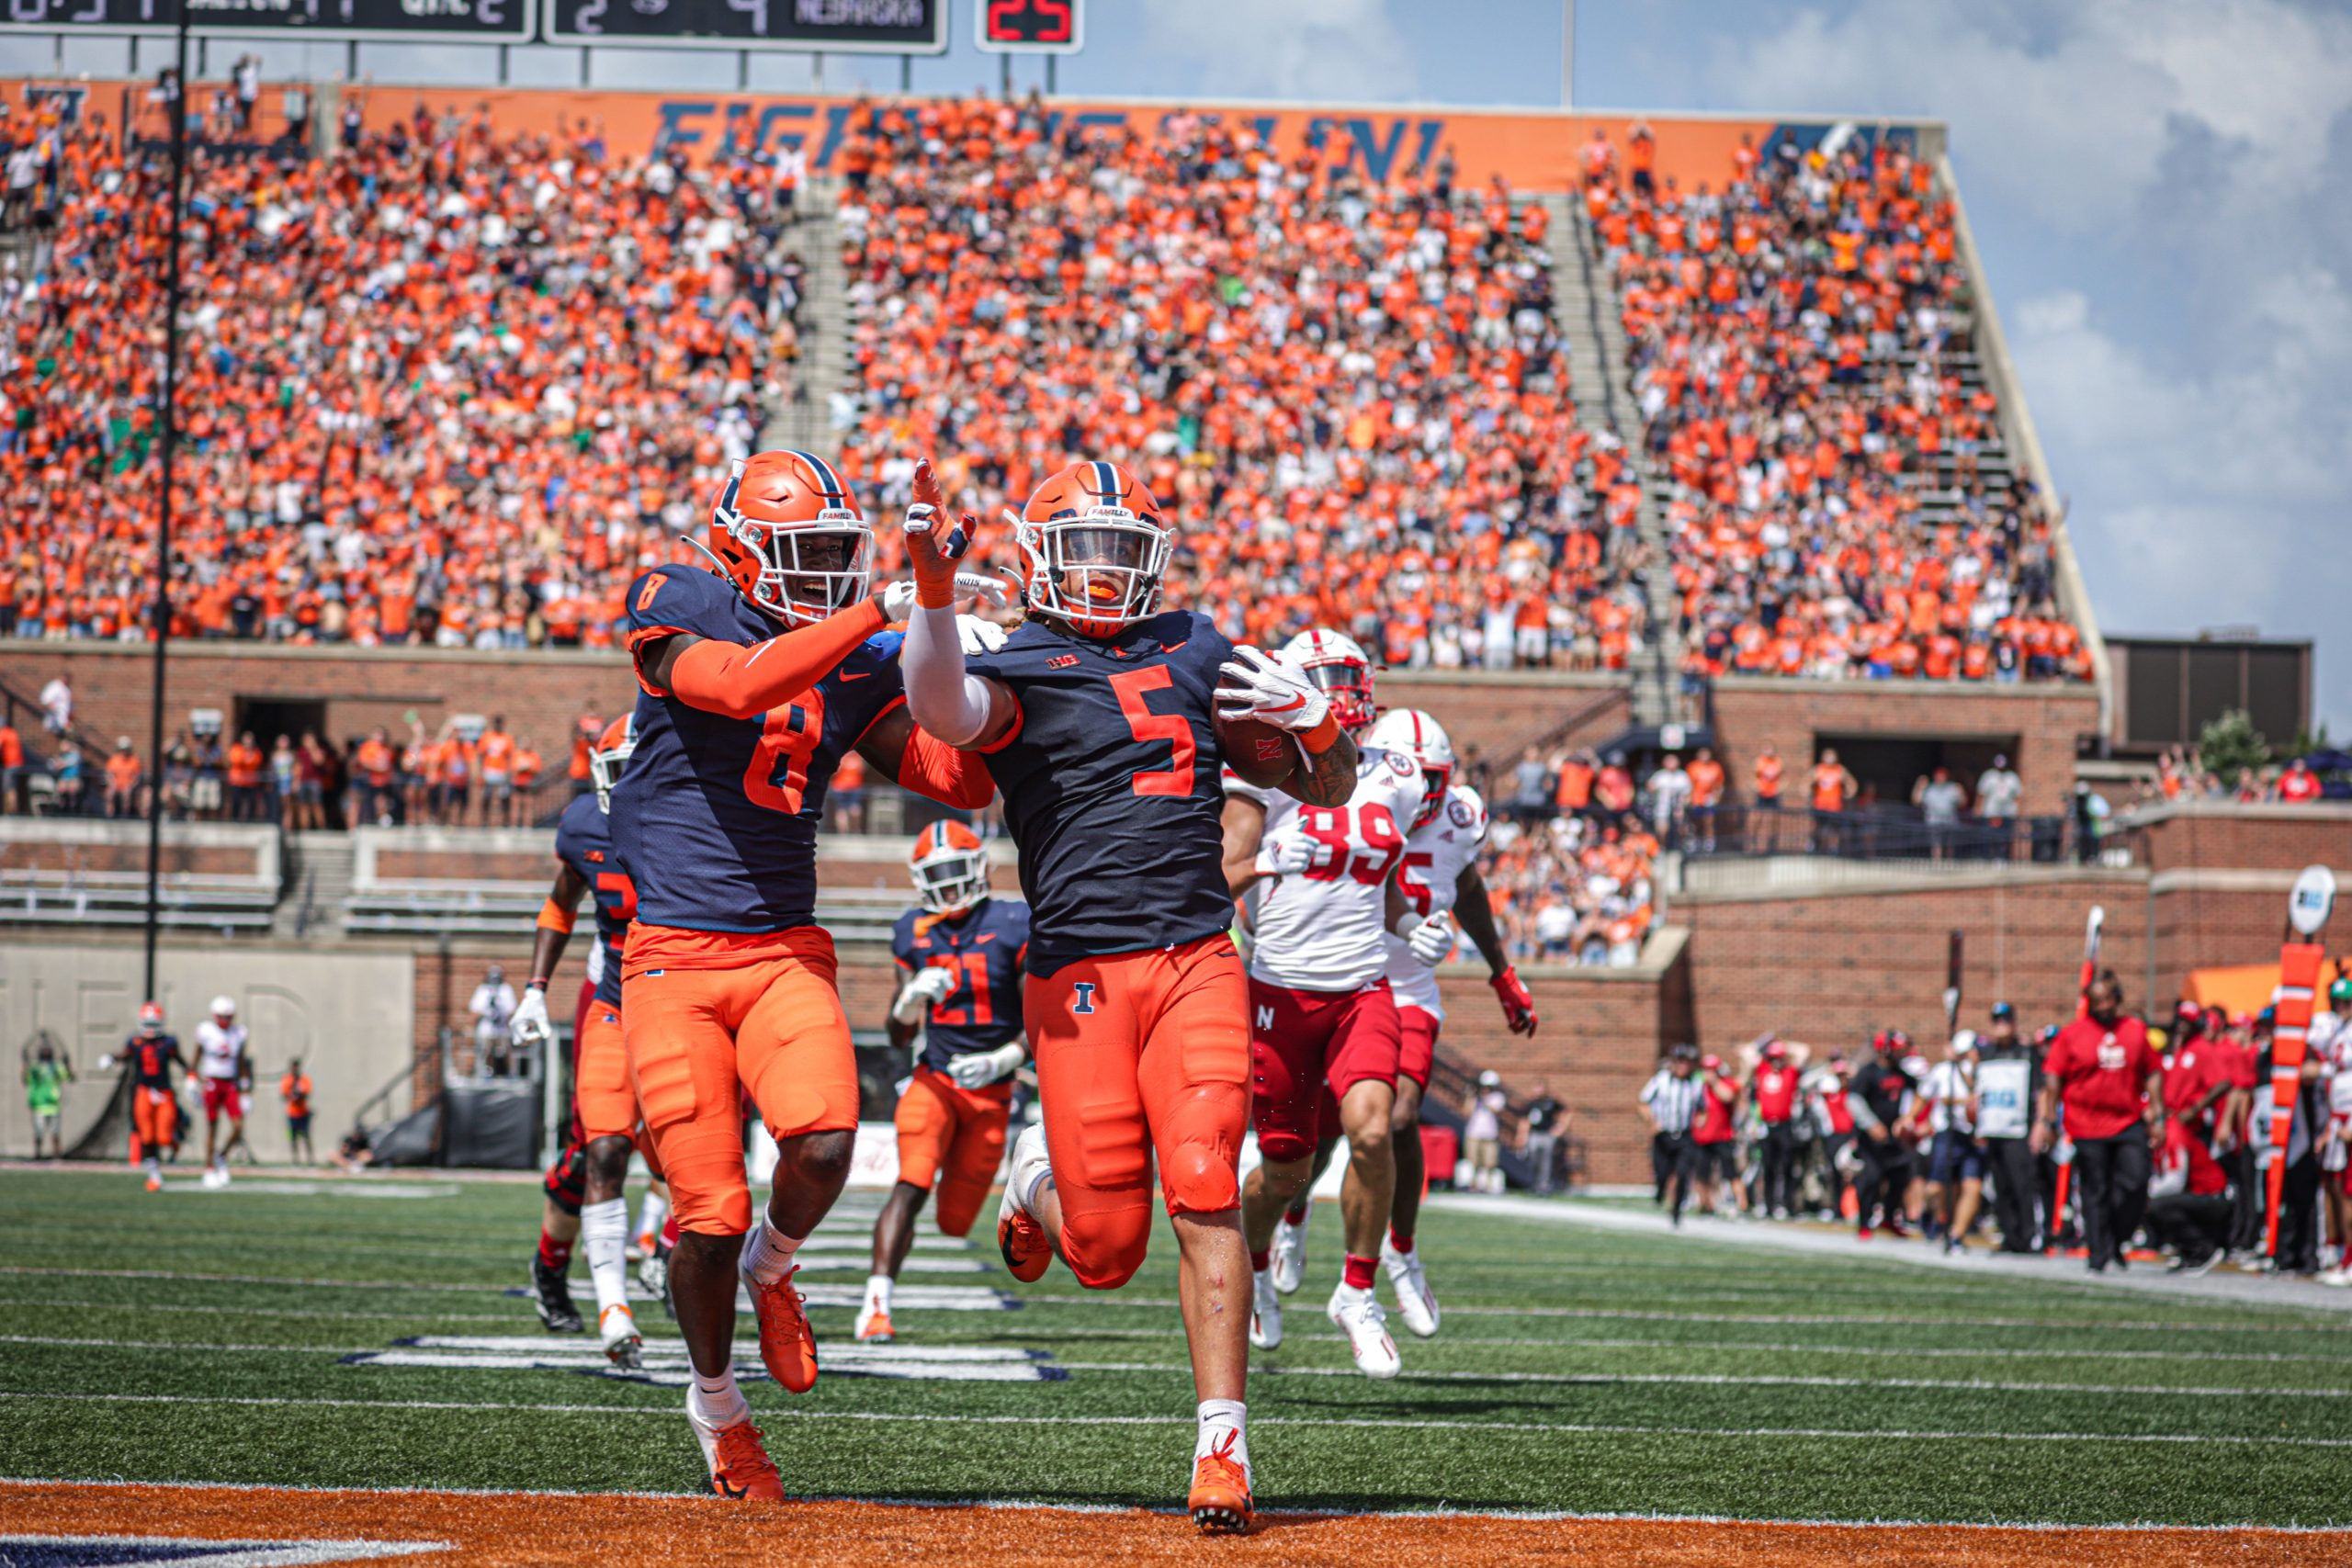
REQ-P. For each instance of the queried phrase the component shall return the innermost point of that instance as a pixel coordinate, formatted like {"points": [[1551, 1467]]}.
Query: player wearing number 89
{"points": [[1101, 718], [959, 969], [1324, 1037], [756, 679]]}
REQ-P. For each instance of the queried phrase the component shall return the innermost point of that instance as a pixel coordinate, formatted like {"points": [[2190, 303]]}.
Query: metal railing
{"points": [[1893, 833]]}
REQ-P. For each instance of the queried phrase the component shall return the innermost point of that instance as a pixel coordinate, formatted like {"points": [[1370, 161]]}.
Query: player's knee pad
{"points": [[1200, 1165], [1105, 1234], [705, 1161], [567, 1180]]}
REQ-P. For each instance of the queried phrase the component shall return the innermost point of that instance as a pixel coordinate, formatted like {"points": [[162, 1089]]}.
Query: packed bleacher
{"points": [[1839, 503], [442, 385], [1351, 392]]}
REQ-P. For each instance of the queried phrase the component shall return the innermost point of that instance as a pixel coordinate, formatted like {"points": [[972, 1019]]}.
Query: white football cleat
{"points": [[1265, 1312], [1358, 1315], [1290, 1253], [1416, 1303], [873, 1325], [623, 1346]]}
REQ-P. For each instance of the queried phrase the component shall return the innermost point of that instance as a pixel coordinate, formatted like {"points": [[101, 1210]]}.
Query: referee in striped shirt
{"points": [[1671, 1100]]}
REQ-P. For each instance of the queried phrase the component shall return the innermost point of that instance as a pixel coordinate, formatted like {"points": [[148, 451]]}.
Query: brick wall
{"points": [[2044, 718], [2272, 838], [128, 853]]}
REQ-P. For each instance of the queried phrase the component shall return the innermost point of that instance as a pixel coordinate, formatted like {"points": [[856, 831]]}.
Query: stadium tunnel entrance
{"points": [[269, 717]]}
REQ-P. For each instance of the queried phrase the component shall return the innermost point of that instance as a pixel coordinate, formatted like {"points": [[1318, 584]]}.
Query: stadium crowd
{"points": [[442, 385], [1361, 382], [2104, 1137], [1833, 511]]}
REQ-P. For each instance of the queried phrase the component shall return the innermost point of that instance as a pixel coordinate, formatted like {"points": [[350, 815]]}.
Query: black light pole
{"points": [[176, 104]]}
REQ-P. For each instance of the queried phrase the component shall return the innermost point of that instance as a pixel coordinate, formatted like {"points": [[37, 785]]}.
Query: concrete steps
{"points": [[802, 421], [312, 911]]}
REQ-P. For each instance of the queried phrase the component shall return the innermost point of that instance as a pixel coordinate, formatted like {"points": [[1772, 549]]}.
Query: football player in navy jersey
{"points": [[1098, 719], [959, 959], [154, 1106], [584, 1186], [757, 679]]}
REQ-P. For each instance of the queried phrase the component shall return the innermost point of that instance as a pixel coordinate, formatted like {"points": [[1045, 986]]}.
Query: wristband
{"points": [[535, 985], [554, 917], [1322, 738]]}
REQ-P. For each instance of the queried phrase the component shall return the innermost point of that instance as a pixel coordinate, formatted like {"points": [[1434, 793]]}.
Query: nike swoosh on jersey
{"points": [[860, 675]]}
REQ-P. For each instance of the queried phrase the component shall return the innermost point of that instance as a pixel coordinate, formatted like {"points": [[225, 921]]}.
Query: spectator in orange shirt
{"points": [[377, 765], [245, 765], [123, 775], [1574, 796], [12, 768], [1833, 786], [1706, 797], [583, 736], [849, 793], [496, 754], [1764, 784]]}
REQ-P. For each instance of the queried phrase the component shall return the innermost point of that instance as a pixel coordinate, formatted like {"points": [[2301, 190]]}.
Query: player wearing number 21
{"points": [[757, 678], [1105, 720]]}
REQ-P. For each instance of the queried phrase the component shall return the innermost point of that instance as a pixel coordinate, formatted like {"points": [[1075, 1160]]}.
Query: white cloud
{"points": [[1347, 51]]}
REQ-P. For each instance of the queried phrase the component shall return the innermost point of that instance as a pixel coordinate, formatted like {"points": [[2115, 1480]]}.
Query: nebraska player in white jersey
{"points": [[1441, 890], [1324, 1034], [226, 1075]]}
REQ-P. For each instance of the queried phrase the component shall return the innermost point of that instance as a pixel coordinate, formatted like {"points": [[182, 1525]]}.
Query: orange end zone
{"points": [[512, 1530]]}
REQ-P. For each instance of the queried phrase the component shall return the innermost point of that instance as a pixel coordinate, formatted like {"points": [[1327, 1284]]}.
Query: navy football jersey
{"points": [[1110, 786], [583, 841], [716, 819], [152, 1058], [983, 949]]}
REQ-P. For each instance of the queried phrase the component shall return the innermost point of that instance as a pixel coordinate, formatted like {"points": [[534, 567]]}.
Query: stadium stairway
{"points": [[1595, 331], [312, 911], [803, 421]]}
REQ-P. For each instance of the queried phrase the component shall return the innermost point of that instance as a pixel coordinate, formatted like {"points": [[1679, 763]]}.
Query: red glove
{"points": [[1519, 1007]]}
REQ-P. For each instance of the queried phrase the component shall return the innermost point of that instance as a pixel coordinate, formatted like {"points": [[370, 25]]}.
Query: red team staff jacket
{"points": [[2100, 1072]]}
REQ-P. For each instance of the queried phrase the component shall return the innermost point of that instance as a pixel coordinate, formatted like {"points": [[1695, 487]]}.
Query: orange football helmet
{"points": [[609, 756], [790, 533], [1094, 548], [950, 866]]}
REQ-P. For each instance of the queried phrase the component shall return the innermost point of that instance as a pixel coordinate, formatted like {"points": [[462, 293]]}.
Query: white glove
{"points": [[929, 986], [529, 1026], [1284, 854], [898, 598], [978, 1070], [1263, 688], [978, 636], [1427, 938]]}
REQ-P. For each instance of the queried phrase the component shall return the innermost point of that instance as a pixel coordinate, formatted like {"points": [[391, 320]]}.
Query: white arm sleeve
{"points": [[942, 697]]}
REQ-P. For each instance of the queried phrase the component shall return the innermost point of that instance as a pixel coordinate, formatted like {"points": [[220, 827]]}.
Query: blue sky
{"points": [[2159, 188]]}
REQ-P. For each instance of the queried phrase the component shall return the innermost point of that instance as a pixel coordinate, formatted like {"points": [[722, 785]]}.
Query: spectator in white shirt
{"points": [[493, 1009]]}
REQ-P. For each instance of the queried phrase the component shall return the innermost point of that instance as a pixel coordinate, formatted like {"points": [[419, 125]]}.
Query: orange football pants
{"points": [[602, 1098], [1140, 1053], [709, 1016], [154, 1116], [954, 1137]]}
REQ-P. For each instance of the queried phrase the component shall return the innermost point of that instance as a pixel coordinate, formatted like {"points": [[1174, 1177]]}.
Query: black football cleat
{"points": [[552, 1293]]}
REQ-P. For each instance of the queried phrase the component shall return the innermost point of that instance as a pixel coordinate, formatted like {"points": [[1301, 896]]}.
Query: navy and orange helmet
{"points": [[1094, 548], [609, 756], [790, 533], [950, 866]]}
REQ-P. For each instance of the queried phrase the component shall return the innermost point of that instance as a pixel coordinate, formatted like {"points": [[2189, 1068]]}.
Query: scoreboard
{"points": [[824, 26], [1029, 27], [365, 21]]}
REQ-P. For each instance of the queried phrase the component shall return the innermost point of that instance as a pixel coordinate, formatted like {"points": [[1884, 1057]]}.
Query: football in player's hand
{"points": [[1263, 754]]}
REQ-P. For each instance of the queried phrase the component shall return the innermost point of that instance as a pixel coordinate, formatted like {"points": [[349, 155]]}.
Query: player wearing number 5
{"points": [[756, 678], [959, 967], [1103, 721]]}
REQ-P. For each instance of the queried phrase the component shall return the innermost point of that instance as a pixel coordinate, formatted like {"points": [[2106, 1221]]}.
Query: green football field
{"points": [[372, 1334]]}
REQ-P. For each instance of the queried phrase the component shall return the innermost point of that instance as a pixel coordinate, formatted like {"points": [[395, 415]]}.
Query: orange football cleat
{"points": [[874, 1328], [1220, 1496], [154, 1184], [787, 1349], [740, 1466], [1022, 1241]]}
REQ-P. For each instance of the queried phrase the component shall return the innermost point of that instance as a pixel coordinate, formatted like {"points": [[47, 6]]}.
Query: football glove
{"points": [[529, 1026], [900, 599], [1428, 939], [1519, 1007], [915, 999], [978, 1070], [1256, 685], [1284, 854], [978, 636]]}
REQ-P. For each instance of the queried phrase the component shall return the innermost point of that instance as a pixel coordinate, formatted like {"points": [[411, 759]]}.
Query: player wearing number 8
{"points": [[757, 679], [1099, 720]]}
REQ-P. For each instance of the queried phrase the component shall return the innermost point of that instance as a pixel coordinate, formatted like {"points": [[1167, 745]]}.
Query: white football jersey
{"points": [[217, 1049], [1435, 854], [1326, 929]]}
